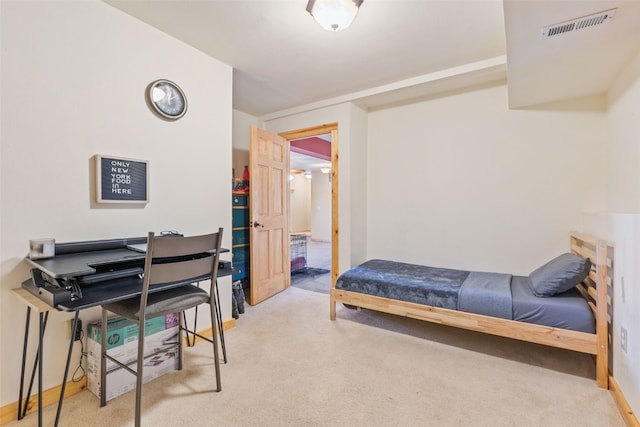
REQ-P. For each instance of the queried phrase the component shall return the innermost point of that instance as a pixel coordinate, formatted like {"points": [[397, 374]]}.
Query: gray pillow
{"points": [[559, 275]]}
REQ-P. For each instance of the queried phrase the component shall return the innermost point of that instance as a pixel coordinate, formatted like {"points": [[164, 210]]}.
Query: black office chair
{"points": [[172, 266]]}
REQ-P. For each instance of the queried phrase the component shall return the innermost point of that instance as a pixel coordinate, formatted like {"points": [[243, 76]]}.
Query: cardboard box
{"points": [[122, 343]]}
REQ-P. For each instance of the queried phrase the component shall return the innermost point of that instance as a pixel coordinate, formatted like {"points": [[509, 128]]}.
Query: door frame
{"points": [[331, 128]]}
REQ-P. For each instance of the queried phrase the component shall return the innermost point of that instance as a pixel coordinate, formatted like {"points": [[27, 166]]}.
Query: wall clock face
{"points": [[167, 99]]}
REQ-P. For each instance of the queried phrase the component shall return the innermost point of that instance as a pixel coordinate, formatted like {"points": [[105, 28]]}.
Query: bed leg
{"points": [[602, 374], [332, 308], [602, 327]]}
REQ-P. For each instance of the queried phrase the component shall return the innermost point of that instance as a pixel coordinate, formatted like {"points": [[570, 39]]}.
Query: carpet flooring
{"points": [[289, 365]]}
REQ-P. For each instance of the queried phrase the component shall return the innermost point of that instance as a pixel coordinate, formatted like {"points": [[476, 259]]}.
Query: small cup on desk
{"points": [[42, 248]]}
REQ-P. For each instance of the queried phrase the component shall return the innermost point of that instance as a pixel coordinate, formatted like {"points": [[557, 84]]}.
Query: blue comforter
{"points": [[474, 292]]}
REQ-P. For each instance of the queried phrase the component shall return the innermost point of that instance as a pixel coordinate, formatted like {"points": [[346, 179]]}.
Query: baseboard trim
{"points": [[623, 406], [209, 331], [9, 412], [50, 396]]}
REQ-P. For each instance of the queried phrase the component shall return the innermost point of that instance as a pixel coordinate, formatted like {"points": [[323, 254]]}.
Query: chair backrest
{"points": [[180, 259]]}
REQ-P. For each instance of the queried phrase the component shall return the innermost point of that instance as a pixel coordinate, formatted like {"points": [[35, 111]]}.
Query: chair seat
{"points": [[161, 303]]}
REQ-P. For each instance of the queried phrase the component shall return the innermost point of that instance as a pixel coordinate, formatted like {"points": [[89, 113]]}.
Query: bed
{"points": [[564, 303]]}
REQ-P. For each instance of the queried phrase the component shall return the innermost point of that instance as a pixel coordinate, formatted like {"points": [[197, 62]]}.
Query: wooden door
{"points": [[269, 214]]}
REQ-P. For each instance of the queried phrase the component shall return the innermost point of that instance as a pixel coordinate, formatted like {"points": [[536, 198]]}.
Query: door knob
{"points": [[257, 224]]}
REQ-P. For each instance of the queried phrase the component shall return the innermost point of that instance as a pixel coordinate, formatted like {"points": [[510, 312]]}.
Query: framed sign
{"points": [[121, 180]]}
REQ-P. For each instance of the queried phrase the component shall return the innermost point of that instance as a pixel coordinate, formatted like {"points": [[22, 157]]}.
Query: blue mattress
{"points": [[567, 310]]}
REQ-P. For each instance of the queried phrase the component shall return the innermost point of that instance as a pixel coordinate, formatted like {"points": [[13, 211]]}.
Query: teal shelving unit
{"points": [[240, 235]]}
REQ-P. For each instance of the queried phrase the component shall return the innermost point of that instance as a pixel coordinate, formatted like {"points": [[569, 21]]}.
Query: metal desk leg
{"points": [[186, 330], [195, 324], [193, 331], [218, 324], [219, 321], [40, 351], [37, 365], [23, 366], [66, 368]]}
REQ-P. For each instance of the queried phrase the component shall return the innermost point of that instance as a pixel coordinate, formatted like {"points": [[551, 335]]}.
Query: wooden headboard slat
{"points": [[583, 252], [593, 307]]}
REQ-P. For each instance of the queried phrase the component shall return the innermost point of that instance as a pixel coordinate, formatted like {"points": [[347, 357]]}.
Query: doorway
{"points": [[310, 213], [321, 249]]}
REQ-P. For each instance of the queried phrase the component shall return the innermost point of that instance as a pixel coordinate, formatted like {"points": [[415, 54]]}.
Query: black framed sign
{"points": [[121, 180]]}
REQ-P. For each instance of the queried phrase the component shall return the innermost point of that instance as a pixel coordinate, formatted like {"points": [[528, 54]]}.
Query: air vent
{"points": [[578, 23]]}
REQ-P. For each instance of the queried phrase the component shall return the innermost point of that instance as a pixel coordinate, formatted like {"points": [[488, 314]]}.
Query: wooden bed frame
{"points": [[595, 289]]}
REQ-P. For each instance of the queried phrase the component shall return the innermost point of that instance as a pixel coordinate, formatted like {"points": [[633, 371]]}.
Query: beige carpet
{"points": [[289, 365]]}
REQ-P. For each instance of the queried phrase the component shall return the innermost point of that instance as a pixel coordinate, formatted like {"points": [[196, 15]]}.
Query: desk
{"points": [[73, 265]]}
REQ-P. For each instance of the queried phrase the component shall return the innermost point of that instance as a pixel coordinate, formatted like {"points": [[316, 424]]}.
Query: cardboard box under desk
{"points": [[122, 343]]}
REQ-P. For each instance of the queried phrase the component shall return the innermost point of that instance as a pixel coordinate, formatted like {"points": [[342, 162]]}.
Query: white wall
{"points": [[300, 203], [623, 190], [311, 205], [623, 230], [242, 123], [73, 84], [626, 305], [320, 206], [622, 226], [358, 181], [464, 182]]}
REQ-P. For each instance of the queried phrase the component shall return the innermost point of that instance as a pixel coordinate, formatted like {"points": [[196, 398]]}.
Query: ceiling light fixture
{"points": [[334, 15]]}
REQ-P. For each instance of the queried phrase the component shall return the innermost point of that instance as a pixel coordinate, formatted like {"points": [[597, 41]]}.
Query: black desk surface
{"points": [[84, 263], [117, 290]]}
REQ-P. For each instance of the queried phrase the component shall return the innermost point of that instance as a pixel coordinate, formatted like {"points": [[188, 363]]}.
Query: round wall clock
{"points": [[167, 99]]}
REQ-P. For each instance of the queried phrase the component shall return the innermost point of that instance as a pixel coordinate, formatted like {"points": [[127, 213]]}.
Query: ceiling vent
{"points": [[578, 23]]}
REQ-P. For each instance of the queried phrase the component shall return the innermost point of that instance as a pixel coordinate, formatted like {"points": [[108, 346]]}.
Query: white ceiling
{"points": [[399, 50], [307, 163]]}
